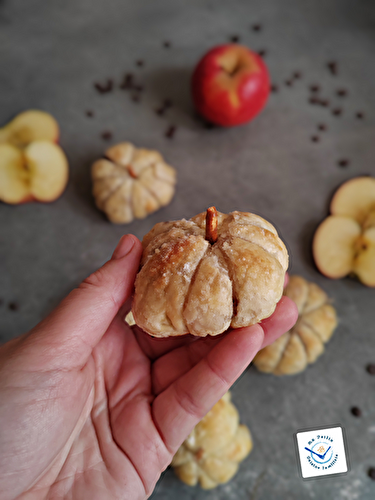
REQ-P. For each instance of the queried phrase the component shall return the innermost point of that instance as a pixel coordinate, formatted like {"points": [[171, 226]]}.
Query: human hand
{"points": [[91, 408]]}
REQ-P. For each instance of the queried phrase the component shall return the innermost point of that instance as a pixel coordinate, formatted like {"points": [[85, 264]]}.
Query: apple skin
{"points": [[230, 85]]}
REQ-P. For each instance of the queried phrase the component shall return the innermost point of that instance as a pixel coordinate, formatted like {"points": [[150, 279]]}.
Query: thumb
{"points": [[74, 328]]}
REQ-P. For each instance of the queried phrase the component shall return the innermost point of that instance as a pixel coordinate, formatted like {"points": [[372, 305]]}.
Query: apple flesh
{"points": [[230, 85], [29, 126], [37, 173], [344, 243]]}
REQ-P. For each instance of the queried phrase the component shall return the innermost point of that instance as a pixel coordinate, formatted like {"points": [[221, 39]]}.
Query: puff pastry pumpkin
{"points": [[304, 343], [209, 273], [213, 450], [131, 183]]}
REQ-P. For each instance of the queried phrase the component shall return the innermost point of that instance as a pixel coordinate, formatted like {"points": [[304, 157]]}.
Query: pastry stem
{"points": [[211, 225]]}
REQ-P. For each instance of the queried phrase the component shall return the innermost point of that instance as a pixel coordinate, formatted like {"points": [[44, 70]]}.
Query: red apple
{"points": [[230, 85]]}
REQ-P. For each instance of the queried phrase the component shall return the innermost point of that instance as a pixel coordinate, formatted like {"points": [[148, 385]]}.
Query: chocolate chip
{"points": [[235, 38], [160, 111], [106, 135], [135, 98], [139, 63], [322, 127], [343, 163], [332, 66], [104, 88], [323, 102], [289, 83], [127, 82], [371, 473], [314, 100], [297, 75], [139, 88], [170, 132], [257, 27], [167, 103], [262, 53], [274, 88], [341, 92], [167, 44], [314, 88], [89, 113], [13, 306], [337, 112], [359, 115], [315, 138], [356, 411], [371, 368]]}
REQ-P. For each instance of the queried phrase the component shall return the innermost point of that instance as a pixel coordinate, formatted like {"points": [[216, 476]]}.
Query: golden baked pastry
{"points": [[203, 275], [131, 183], [304, 343], [213, 450]]}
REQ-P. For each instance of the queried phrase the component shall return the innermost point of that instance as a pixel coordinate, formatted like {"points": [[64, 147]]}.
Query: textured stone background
{"points": [[52, 52]]}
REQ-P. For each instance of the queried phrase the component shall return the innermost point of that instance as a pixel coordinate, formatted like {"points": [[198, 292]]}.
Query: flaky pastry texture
{"points": [[131, 183], [213, 450], [188, 284], [304, 343]]}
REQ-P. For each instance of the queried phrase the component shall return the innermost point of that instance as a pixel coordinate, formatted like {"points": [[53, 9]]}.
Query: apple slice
{"points": [[29, 126], [355, 198], [334, 245], [48, 170], [14, 179], [364, 263], [39, 172]]}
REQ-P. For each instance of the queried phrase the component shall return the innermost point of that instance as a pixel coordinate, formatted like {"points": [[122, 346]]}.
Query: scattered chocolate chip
{"points": [[138, 88], [371, 473], [341, 92], [289, 83], [332, 66], [314, 88], [274, 88], [297, 75], [359, 115], [106, 135], [167, 103], [343, 163], [262, 53], [139, 63], [323, 102], [170, 132], [257, 27], [127, 82], [322, 127], [235, 38], [167, 44], [135, 98], [315, 138], [371, 368], [160, 111], [13, 306], [104, 88], [314, 100], [337, 112], [89, 113], [356, 411]]}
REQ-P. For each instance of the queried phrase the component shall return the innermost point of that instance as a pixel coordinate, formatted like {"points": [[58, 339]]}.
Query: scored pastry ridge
{"points": [[188, 285]]}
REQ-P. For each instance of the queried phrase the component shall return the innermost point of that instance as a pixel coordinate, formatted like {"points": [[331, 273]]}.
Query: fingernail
{"points": [[124, 247]]}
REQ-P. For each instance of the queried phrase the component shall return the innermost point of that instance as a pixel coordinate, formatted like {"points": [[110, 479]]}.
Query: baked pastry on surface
{"points": [[304, 343], [203, 278], [213, 450], [131, 183]]}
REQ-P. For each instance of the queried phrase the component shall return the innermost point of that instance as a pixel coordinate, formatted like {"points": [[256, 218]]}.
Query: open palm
{"points": [[91, 408]]}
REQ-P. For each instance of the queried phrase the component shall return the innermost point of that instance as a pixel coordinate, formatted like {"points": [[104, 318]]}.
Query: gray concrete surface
{"points": [[52, 52]]}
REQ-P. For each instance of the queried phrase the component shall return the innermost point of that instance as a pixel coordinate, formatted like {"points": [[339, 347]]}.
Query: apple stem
{"points": [[211, 225]]}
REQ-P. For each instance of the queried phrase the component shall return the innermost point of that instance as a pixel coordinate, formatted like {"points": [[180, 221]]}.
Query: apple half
{"points": [[344, 242], [29, 126], [37, 173]]}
